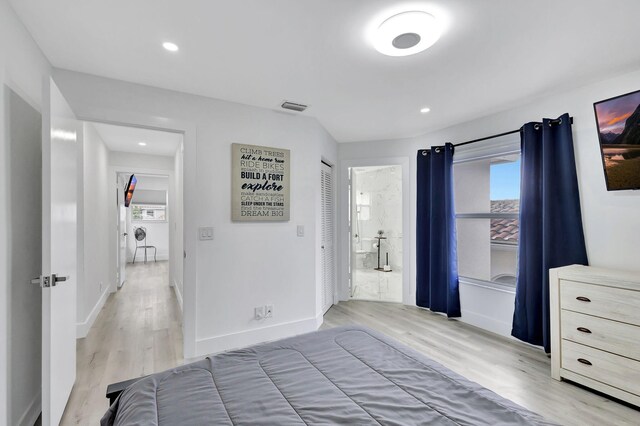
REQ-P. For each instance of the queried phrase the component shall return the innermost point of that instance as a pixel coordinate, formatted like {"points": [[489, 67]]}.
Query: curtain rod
{"points": [[557, 121]]}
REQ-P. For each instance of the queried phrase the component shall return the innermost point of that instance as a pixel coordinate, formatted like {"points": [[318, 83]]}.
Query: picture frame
{"points": [[618, 124]]}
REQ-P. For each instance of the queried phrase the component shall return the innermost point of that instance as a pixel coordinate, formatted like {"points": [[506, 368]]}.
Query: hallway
{"points": [[138, 332]]}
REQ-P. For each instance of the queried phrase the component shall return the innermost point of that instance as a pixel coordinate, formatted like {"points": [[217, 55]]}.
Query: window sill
{"points": [[505, 288], [504, 246]]}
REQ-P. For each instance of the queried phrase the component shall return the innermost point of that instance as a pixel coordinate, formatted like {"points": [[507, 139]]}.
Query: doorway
{"points": [[140, 256], [376, 233], [143, 223]]}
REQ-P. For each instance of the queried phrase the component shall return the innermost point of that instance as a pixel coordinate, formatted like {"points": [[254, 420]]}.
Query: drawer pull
{"points": [[584, 330], [584, 361], [583, 299]]}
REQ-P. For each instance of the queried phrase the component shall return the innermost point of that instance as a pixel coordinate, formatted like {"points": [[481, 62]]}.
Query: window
{"points": [[149, 212], [487, 197]]}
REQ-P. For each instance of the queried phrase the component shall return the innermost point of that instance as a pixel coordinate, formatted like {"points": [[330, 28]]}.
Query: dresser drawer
{"points": [[611, 336], [606, 302], [617, 371]]}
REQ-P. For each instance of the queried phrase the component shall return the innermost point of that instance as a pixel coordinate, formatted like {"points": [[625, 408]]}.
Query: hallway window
{"points": [[487, 190], [149, 213]]}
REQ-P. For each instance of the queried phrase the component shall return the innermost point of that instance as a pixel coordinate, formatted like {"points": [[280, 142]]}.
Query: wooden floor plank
{"points": [[510, 368], [139, 332]]}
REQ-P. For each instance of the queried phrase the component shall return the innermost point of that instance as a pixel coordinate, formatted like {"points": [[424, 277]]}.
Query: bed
{"points": [[344, 375]]}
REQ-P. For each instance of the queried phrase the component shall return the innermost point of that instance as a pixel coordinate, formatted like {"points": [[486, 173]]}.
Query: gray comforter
{"points": [[345, 375]]}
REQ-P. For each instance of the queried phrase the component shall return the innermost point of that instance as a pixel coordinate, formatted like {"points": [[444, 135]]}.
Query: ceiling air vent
{"points": [[293, 106]]}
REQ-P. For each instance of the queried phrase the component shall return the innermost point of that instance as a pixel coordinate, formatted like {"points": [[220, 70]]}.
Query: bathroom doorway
{"points": [[376, 224]]}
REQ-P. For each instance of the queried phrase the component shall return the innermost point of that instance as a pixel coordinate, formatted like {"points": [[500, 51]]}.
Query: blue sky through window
{"points": [[505, 181]]}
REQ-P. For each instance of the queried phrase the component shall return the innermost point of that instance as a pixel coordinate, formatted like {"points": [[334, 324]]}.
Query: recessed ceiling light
{"points": [[406, 33], [171, 47], [425, 110], [142, 143]]}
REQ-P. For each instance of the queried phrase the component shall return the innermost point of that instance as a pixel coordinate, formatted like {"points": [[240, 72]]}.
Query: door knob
{"points": [[55, 279], [125, 234]]}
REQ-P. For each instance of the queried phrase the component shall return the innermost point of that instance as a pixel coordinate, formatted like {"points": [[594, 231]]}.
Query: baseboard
{"points": [[242, 339], [486, 323], [32, 413], [82, 328], [176, 290]]}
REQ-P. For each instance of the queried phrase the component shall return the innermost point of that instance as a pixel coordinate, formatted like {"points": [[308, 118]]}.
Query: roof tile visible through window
{"points": [[505, 230]]}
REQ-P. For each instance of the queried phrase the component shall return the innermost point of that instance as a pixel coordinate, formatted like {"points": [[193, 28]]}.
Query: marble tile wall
{"points": [[378, 206]]}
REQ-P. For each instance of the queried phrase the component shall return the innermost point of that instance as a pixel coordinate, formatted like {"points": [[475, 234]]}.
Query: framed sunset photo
{"points": [[618, 121]]}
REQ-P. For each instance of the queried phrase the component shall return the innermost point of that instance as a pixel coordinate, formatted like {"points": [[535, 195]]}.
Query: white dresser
{"points": [[595, 329]]}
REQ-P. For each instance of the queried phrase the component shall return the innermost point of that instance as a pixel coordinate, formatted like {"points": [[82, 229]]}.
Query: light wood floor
{"points": [[510, 368], [138, 332]]}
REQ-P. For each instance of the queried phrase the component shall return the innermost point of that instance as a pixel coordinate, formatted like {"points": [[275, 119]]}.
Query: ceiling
{"points": [[127, 139], [493, 54]]}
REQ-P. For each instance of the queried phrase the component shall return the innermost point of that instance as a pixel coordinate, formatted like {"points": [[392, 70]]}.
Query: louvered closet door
{"points": [[326, 179]]}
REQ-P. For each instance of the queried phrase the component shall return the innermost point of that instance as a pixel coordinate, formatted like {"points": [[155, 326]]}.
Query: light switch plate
{"points": [[205, 233], [300, 231]]}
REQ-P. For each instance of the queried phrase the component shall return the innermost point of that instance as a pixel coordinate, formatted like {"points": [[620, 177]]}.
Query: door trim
{"points": [[189, 220], [334, 234], [344, 245]]}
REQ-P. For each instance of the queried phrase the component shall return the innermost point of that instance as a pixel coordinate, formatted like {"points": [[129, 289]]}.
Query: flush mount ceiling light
{"points": [[171, 47], [425, 110], [406, 33], [142, 143]]}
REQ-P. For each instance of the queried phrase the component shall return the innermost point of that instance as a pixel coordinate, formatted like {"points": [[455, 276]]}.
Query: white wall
{"points": [[247, 264], [125, 160], [610, 218], [22, 70], [504, 260], [93, 229]]}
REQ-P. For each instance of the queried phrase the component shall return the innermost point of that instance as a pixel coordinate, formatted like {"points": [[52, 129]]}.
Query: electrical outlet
{"points": [[205, 233], [268, 311], [259, 312], [300, 231]]}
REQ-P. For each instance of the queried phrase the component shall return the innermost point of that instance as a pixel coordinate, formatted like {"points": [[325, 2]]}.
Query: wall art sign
{"points": [[260, 183]]}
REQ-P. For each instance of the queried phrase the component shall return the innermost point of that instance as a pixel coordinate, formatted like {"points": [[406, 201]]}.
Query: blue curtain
{"points": [[437, 262], [551, 232]]}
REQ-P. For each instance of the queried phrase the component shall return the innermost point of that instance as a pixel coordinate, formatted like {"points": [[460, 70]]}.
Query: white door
{"points": [[122, 239], [61, 133], [326, 217]]}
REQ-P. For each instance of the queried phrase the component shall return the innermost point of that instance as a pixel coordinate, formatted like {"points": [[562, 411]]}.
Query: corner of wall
{"points": [[82, 328]]}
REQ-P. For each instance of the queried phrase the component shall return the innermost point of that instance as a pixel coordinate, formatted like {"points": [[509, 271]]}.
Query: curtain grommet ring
{"points": [[424, 152], [437, 150], [536, 127]]}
